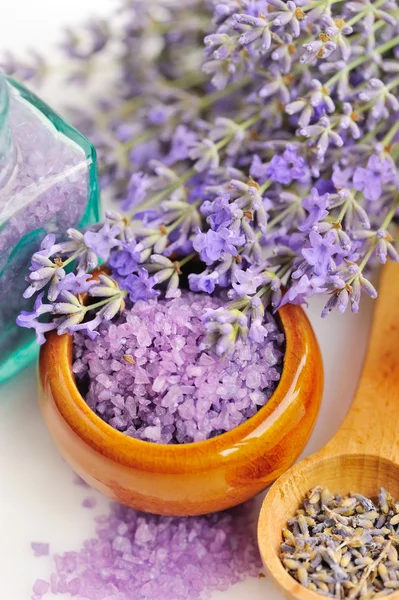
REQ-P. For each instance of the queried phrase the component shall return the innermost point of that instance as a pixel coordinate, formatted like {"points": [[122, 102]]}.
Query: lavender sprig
{"points": [[275, 167]]}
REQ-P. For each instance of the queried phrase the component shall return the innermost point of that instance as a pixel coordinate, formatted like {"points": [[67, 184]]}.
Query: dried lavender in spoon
{"points": [[344, 547]]}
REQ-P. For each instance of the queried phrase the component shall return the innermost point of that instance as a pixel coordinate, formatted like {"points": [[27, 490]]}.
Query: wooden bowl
{"points": [[187, 479]]}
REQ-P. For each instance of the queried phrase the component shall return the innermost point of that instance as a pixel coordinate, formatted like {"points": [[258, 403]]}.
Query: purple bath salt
{"points": [[79, 481], [40, 588], [45, 179], [146, 375], [89, 502], [137, 556], [40, 548]]}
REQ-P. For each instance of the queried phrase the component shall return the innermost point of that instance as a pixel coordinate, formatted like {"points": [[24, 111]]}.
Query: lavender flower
{"points": [[109, 289], [205, 154], [125, 261], [204, 282], [182, 140], [87, 258], [165, 270], [103, 240], [321, 252], [258, 139], [71, 306], [223, 327], [257, 29], [140, 286], [136, 192], [96, 38], [76, 283], [321, 48], [322, 135], [287, 168], [370, 179], [247, 282], [213, 244], [30, 320], [43, 272], [305, 288], [316, 206], [287, 13]]}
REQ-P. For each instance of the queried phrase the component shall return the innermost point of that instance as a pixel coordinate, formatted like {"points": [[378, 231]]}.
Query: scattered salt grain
{"points": [[136, 555], [171, 392], [79, 481], [40, 548], [40, 588], [89, 502]]}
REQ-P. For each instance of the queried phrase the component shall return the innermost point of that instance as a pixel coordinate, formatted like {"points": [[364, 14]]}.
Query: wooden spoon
{"points": [[363, 455]]}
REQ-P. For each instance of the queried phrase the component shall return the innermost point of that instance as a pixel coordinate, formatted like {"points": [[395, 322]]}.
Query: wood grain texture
{"points": [[364, 454], [193, 478]]}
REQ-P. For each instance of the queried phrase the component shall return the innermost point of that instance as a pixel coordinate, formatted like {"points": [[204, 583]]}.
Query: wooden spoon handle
{"points": [[372, 424]]}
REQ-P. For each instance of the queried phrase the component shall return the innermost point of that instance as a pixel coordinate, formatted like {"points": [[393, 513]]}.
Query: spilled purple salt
{"points": [[40, 588], [146, 377], [40, 548], [89, 502], [137, 556], [79, 481]]}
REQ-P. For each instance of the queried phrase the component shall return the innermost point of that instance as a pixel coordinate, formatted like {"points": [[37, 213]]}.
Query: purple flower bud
{"points": [[344, 240], [111, 309], [368, 287], [361, 215], [102, 241], [392, 252], [205, 154], [30, 320], [247, 282], [343, 300], [204, 282], [257, 331], [331, 303], [140, 286], [259, 30], [382, 251], [138, 186], [276, 297], [355, 295]]}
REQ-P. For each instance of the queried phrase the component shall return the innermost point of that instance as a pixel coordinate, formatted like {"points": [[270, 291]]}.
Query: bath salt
{"points": [[47, 185], [89, 502], [40, 588], [147, 375], [79, 481], [137, 556], [40, 548]]}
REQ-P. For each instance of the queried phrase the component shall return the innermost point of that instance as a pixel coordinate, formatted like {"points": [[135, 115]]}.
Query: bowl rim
{"points": [[57, 379]]}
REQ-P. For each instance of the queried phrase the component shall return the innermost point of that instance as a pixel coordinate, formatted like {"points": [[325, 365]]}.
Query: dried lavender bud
{"points": [[351, 560]]}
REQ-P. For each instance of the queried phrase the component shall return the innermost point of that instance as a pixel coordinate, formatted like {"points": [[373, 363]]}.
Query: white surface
{"points": [[38, 500], [26, 24]]}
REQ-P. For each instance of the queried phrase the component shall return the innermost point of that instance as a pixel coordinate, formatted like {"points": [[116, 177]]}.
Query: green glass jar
{"points": [[48, 183]]}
